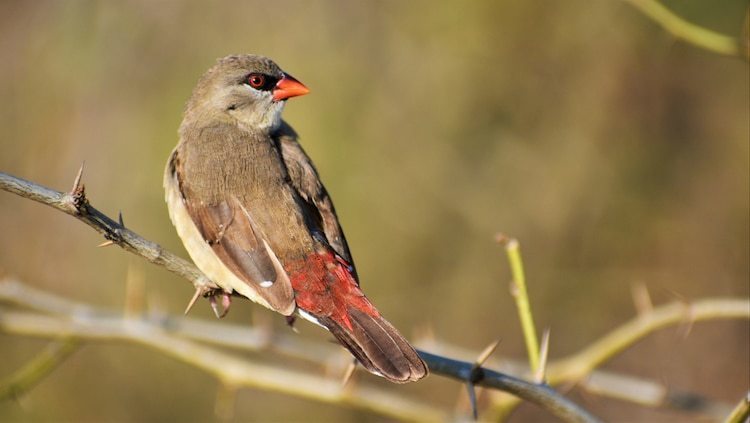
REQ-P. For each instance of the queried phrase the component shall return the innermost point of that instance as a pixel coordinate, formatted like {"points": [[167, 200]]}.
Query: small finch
{"points": [[254, 216]]}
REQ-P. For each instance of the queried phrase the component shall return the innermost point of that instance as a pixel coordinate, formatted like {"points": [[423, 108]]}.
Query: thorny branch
{"points": [[91, 324], [101, 325], [59, 317], [76, 204]]}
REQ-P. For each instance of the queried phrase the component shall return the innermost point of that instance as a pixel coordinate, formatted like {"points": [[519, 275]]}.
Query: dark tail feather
{"points": [[379, 347]]}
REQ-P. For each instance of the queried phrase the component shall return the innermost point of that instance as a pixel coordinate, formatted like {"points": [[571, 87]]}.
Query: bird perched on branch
{"points": [[254, 216]]}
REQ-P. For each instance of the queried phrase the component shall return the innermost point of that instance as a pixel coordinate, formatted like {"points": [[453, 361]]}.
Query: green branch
{"points": [[521, 296], [686, 31]]}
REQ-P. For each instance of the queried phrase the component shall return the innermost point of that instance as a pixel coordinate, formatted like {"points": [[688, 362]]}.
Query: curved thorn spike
{"points": [[541, 373], [641, 298], [77, 181], [349, 372], [472, 399], [486, 353], [198, 293]]}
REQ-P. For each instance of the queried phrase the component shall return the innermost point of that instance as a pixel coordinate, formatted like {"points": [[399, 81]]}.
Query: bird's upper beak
{"points": [[288, 87]]}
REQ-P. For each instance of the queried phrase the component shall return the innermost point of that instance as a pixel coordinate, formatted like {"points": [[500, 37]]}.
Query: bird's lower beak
{"points": [[288, 87]]}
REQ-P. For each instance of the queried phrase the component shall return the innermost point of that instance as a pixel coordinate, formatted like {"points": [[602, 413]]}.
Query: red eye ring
{"points": [[256, 80]]}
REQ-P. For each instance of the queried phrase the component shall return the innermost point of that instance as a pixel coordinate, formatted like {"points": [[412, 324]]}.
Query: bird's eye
{"points": [[256, 80]]}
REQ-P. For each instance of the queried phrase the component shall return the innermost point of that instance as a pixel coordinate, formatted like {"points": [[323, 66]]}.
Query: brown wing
{"points": [[306, 181], [232, 234]]}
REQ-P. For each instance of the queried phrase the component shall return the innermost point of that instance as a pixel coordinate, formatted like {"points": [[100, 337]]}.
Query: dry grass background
{"points": [[615, 154]]}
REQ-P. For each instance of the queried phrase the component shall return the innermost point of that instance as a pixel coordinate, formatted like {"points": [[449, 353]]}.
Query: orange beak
{"points": [[288, 87]]}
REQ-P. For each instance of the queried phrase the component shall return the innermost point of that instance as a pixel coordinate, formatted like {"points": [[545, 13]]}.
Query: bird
{"points": [[250, 208]]}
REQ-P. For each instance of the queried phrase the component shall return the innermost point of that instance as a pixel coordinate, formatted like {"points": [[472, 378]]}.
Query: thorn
{"points": [[543, 354], [198, 293], [349, 372], [687, 324], [485, 354], [106, 243], [472, 400], [677, 296], [641, 298], [476, 375], [77, 181], [119, 218], [686, 327], [75, 200]]}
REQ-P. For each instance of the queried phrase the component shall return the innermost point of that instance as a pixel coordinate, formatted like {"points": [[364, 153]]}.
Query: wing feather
{"points": [[229, 230], [305, 180]]}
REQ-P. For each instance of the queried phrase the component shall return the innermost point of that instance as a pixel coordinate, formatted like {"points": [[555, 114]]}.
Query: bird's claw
{"points": [[212, 293], [226, 301]]}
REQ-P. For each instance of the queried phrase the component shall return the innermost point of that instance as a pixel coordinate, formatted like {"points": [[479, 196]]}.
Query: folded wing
{"points": [[227, 228]]}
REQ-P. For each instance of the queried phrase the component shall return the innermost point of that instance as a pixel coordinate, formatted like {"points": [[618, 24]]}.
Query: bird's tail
{"points": [[378, 346]]}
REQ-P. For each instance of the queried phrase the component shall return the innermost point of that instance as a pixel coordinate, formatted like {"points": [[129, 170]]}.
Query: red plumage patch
{"points": [[324, 286]]}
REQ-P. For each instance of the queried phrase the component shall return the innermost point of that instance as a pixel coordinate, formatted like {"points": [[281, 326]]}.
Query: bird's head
{"points": [[251, 89]]}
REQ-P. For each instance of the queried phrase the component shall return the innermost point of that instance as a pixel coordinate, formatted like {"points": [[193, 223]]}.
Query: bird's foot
{"points": [[212, 293], [226, 301]]}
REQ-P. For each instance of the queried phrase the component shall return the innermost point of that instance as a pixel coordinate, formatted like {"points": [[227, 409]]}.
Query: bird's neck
{"points": [[256, 125]]}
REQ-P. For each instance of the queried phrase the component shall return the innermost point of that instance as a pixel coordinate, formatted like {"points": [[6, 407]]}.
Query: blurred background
{"points": [[615, 154]]}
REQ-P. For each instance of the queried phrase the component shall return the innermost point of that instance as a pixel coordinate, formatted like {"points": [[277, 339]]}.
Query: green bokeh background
{"points": [[615, 154]]}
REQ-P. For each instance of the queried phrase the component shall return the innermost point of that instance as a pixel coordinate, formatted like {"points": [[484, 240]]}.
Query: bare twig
{"points": [[484, 377], [229, 369], [647, 392], [258, 338], [579, 365], [76, 204]]}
